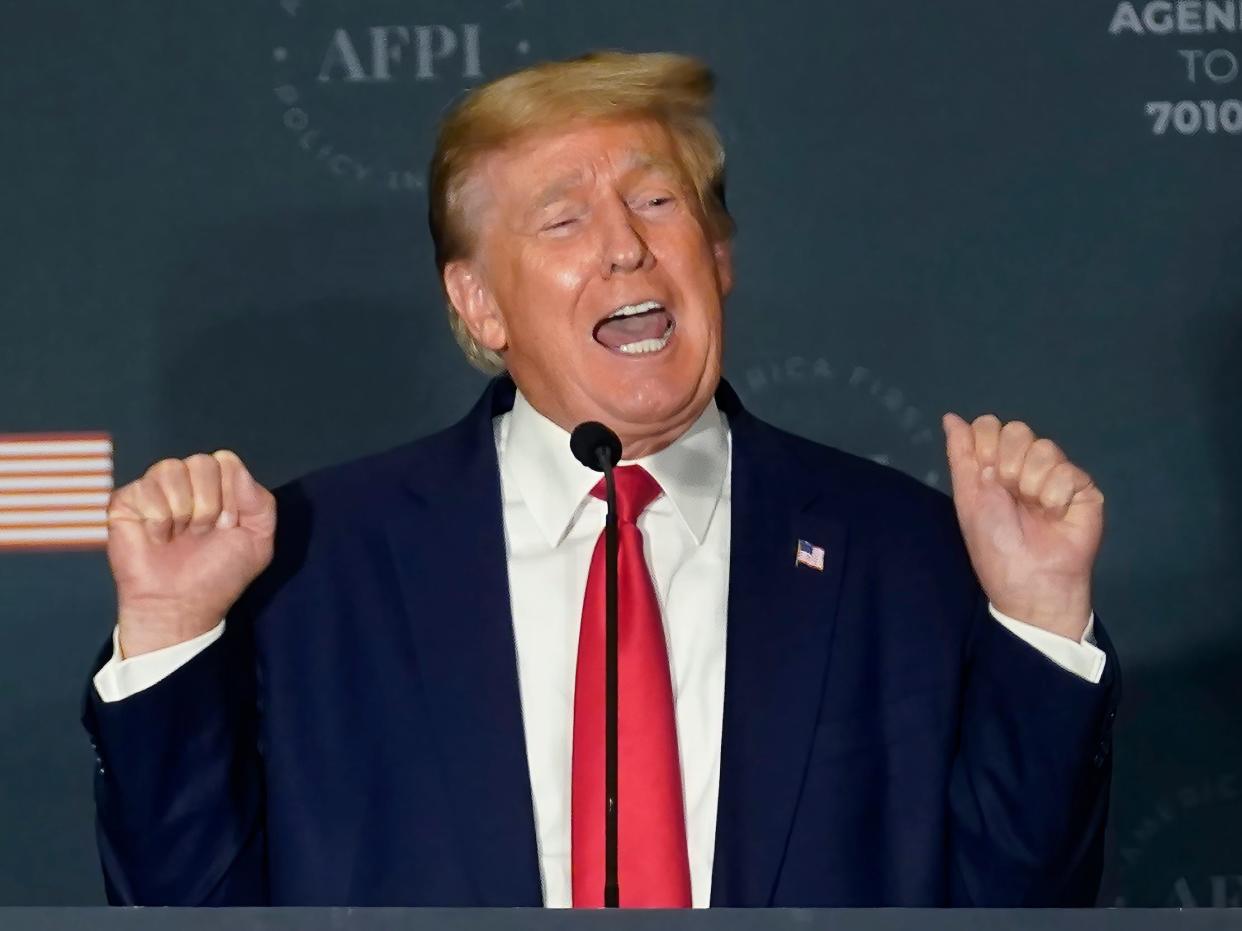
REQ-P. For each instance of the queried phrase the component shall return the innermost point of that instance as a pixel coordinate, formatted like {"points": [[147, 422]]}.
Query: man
{"points": [[834, 690]]}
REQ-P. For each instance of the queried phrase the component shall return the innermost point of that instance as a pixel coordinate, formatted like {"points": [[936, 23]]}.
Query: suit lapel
{"points": [[449, 550], [780, 625], [447, 543]]}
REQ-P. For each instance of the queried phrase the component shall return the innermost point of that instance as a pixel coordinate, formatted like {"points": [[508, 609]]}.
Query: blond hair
{"points": [[675, 90]]}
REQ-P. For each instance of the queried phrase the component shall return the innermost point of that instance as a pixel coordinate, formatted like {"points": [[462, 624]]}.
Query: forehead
{"points": [[555, 161]]}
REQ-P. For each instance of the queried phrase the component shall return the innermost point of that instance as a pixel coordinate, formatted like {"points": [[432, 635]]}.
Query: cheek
{"points": [[551, 272], [690, 255], [696, 276], [544, 298]]}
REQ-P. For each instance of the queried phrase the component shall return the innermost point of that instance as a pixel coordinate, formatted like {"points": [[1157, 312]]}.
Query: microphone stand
{"points": [[612, 893], [597, 447]]}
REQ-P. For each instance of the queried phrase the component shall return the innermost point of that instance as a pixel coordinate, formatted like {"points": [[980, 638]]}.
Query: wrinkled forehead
{"points": [[537, 170]]}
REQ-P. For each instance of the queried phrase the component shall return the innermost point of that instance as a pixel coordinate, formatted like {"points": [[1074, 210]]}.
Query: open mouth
{"points": [[636, 329]]}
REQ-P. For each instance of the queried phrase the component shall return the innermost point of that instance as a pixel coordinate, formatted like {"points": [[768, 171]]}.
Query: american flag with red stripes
{"points": [[54, 490]]}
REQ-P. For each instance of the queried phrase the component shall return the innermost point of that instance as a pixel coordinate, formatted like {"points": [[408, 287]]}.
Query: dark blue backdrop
{"points": [[214, 219]]}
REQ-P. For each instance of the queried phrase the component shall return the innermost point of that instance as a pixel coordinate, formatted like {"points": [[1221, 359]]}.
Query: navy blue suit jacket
{"points": [[355, 737]]}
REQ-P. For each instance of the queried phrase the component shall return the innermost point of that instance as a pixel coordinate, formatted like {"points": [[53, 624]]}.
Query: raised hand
{"points": [[184, 541], [1031, 519]]}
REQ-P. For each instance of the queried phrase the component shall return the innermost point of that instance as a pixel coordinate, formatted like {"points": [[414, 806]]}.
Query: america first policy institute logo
{"points": [[851, 406], [1181, 850], [359, 87]]}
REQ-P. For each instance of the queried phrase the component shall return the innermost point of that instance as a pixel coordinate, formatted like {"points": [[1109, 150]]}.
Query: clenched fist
{"points": [[1031, 519], [184, 541]]}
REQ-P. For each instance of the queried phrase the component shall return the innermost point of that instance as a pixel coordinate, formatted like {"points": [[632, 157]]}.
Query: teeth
{"points": [[647, 345], [629, 310]]}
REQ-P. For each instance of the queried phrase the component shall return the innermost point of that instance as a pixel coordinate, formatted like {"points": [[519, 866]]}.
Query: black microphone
{"points": [[595, 446], [598, 448]]}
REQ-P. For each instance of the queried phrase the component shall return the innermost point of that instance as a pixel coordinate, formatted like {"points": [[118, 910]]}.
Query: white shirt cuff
{"points": [[120, 678], [1081, 657]]}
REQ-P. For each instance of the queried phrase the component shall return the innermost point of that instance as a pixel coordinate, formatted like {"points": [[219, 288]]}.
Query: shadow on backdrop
{"points": [[289, 341]]}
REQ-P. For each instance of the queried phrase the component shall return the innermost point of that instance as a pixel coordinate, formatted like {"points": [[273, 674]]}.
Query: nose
{"points": [[624, 248]]}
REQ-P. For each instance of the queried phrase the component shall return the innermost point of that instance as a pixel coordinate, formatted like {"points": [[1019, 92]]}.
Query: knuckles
{"points": [[165, 468], [1033, 468], [202, 462], [124, 501], [1017, 428], [116, 503], [1046, 450], [174, 495]]}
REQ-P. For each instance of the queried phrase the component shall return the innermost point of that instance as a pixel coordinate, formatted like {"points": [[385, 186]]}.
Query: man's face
{"points": [[574, 227]]}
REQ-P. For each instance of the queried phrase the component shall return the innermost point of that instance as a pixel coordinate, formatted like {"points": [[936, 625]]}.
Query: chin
{"points": [[654, 400]]}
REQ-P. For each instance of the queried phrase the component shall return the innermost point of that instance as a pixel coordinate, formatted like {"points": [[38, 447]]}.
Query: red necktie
{"points": [[653, 869]]}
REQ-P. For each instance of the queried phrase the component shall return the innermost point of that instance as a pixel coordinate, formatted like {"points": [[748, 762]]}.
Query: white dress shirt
{"points": [[551, 523]]}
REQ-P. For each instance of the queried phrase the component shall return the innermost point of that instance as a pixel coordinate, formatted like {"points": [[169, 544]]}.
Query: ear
{"points": [[473, 301], [722, 250]]}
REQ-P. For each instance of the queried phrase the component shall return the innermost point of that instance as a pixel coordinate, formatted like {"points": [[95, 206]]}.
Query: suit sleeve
{"points": [[120, 677], [179, 787], [1029, 786]]}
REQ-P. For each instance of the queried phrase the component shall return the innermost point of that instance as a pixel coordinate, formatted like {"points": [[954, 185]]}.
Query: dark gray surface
{"points": [[940, 207], [517, 919]]}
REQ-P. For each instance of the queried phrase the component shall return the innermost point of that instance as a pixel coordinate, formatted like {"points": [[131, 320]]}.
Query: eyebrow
{"points": [[634, 160]]}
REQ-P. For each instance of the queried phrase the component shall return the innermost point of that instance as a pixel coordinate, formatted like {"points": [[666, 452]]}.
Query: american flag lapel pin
{"points": [[810, 555]]}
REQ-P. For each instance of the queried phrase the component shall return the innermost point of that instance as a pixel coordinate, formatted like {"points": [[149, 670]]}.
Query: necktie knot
{"points": [[636, 489]]}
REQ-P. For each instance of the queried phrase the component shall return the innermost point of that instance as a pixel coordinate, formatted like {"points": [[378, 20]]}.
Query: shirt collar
{"points": [[554, 485]]}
